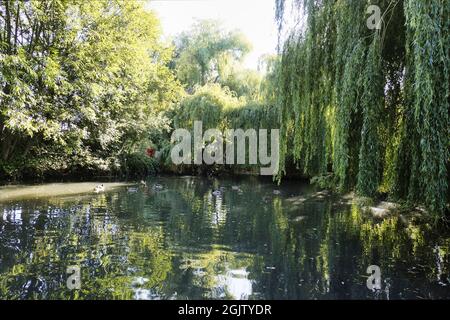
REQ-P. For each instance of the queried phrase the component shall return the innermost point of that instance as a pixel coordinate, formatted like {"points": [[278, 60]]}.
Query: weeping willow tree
{"points": [[218, 107], [370, 105]]}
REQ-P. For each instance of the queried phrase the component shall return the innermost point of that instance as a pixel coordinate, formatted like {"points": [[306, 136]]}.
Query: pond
{"points": [[199, 238]]}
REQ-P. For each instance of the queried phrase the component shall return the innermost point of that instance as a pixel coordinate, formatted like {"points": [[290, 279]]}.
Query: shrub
{"points": [[139, 165]]}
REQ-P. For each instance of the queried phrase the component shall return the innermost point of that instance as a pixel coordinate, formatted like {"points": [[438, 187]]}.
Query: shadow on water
{"points": [[195, 238]]}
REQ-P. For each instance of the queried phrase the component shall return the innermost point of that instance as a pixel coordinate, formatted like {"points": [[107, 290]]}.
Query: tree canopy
{"points": [[205, 52], [84, 79]]}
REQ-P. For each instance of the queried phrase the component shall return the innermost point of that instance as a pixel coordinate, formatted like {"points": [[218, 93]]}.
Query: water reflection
{"points": [[180, 240]]}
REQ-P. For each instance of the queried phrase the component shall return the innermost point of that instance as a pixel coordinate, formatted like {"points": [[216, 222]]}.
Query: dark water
{"points": [[183, 242]]}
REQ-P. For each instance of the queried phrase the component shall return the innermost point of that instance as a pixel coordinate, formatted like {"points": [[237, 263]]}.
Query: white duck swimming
{"points": [[99, 188]]}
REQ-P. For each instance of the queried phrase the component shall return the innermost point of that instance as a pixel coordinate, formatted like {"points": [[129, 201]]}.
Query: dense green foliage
{"points": [[370, 106], [205, 53], [81, 83], [220, 92], [139, 165], [218, 107]]}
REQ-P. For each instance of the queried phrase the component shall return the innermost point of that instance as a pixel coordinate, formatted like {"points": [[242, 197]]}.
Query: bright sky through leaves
{"points": [[255, 18]]}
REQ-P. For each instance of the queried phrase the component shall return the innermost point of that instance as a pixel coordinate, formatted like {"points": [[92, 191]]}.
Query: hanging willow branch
{"points": [[372, 106]]}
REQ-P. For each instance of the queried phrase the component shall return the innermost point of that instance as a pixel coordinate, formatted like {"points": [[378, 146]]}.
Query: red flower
{"points": [[151, 152]]}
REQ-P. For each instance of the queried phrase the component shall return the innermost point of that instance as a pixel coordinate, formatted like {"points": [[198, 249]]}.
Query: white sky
{"points": [[255, 18]]}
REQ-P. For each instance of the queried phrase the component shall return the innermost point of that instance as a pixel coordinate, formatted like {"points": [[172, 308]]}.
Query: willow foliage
{"points": [[217, 107], [369, 105]]}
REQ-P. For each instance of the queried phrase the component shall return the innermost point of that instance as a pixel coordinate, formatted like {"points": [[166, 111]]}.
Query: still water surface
{"points": [[177, 239]]}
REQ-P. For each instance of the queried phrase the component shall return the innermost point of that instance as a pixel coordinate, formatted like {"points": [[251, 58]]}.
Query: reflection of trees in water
{"points": [[313, 262], [326, 254], [115, 263], [182, 242], [211, 274]]}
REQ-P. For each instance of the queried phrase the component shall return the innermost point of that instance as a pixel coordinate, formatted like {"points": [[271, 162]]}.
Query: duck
{"points": [[99, 188], [217, 193], [132, 190], [158, 187], [236, 188], [276, 192]]}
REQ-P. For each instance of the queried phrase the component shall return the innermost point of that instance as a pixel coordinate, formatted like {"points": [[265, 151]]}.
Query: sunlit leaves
{"points": [[206, 51], [86, 79], [369, 104]]}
